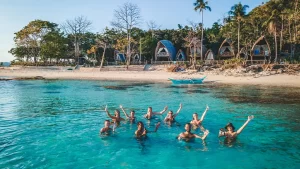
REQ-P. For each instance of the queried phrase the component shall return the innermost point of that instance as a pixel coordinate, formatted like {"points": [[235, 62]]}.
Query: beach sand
{"points": [[158, 75]]}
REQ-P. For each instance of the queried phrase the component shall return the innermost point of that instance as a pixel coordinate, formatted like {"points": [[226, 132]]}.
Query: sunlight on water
{"points": [[55, 124]]}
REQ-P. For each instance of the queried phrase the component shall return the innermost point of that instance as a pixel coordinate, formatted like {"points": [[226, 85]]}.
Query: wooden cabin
{"points": [[261, 50], [226, 50]]}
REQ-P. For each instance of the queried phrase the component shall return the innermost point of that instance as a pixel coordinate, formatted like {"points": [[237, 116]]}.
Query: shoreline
{"points": [[158, 76]]}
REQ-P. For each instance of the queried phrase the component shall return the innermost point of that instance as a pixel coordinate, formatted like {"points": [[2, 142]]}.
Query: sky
{"points": [[15, 14]]}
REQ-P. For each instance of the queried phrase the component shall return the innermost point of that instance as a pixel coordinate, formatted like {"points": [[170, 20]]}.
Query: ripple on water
{"points": [[49, 125]]}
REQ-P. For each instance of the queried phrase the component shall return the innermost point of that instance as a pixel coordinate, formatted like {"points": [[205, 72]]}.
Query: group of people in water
{"points": [[228, 131]]}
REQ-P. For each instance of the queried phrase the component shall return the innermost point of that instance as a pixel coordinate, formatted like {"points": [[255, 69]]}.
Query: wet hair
{"points": [[140, 123], [190, 127], [107, 121], [117, 111], [229, 125], [171, 111], [132, 111]]}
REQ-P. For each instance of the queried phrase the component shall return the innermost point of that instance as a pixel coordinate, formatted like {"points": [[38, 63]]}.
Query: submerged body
{"points": [[188, 136], [230, 134], [150, 114]]}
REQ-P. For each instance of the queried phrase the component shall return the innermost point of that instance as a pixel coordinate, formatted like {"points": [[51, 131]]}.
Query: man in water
{"points": [[150, 113], [188, 136], [106, 130]]}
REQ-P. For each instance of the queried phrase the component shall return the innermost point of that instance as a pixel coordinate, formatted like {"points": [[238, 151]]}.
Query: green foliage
{"points": [[42, 40]]}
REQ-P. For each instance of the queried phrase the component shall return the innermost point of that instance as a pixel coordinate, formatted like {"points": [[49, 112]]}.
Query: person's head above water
{"points": [[195, 116], [170, 114], [117, 113], [132, 113], [106, 123], [149, 109], [229, 127], [188, 127], [140, 125]]}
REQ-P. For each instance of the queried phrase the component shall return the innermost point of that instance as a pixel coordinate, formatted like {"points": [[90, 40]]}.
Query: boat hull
{"points": [[187, 81]]}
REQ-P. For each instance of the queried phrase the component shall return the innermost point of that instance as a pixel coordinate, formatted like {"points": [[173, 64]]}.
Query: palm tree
{"points": [[201, 6], [238, 11]]}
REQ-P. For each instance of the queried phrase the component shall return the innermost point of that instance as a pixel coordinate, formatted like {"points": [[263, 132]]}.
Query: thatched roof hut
{"points": [[226, 50]]}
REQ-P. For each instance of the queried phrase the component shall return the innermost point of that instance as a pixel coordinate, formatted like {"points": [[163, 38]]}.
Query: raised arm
{"points": [[156, 128], [180, 106], [242, 128], [121, 107], [109, 115], [202, 137], [162, 112], [204, 113]]}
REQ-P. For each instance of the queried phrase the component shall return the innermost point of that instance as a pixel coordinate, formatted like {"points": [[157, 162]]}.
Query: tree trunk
{"points": [[201, 39], [281, 34], [75, 45], [195, 58], [291, 46], [238, 54], [275, 38], [128, 50], [103, 55]]}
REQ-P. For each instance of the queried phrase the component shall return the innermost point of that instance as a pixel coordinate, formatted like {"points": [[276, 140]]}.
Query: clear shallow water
{"points": [[55, 124]]}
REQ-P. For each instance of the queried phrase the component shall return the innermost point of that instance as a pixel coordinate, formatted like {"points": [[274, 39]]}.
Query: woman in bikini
{"points": [[198, 122], [115, 119]]}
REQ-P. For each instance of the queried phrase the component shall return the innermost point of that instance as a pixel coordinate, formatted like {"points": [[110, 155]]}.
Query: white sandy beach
{"points": [[150, 76]]}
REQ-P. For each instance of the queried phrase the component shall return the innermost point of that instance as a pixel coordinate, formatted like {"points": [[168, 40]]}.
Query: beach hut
{"points": [[165, 51], [136, 58], [180, 56], [226, 50], [209, 56], [195, 47], [261, 49], [120, 57]]}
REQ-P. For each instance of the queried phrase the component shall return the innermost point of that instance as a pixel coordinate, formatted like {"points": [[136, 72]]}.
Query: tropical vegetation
{"points": [[45, 42]]}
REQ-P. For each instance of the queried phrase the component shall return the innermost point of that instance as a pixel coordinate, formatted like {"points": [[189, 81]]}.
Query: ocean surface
{"points": [[56, 123]]}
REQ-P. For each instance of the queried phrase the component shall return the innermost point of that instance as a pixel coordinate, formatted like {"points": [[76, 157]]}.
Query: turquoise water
{"points": [[55, 124]]}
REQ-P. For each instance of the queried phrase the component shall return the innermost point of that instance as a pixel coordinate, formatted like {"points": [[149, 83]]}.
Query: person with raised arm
{"points": [[150, 113], [188, 135], [131, 117], [117, 118], [229, 132], [106, 130], [171, 117], [141, 130], [198, 122]]}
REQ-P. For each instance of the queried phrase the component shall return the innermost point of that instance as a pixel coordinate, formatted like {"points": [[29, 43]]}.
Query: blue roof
{"points": [[122, 57], [182, 54], [171, 49]]}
